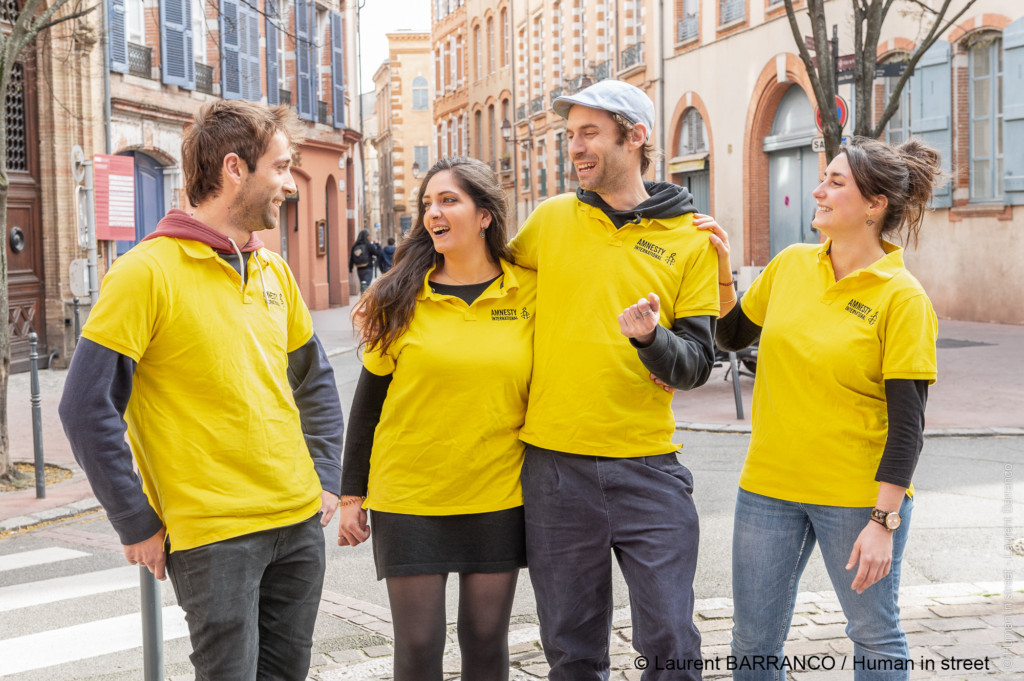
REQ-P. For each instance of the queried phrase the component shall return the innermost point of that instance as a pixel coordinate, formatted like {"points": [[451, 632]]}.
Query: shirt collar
{"points": [[198, 250], [506, 282], [595, 213], [885, 268]]}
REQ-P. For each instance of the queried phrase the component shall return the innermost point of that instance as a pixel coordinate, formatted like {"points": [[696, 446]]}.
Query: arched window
{"points": [[986, 95], [476, 49], [419, 94], [504, 38], [490, 44], [693, 136]]}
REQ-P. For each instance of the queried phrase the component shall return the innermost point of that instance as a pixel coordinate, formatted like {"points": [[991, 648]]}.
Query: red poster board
{"points": [[114, 181]]}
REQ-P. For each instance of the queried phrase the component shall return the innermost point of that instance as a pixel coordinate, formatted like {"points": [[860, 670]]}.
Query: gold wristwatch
{"points": [[890, 520]]}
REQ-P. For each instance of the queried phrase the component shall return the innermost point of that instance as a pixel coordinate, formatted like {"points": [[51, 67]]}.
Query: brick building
{"points": [[166, 59], [451, 92]]}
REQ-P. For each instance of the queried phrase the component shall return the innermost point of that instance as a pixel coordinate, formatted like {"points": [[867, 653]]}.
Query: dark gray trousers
{"points": [[251, 602], [580, 510]]}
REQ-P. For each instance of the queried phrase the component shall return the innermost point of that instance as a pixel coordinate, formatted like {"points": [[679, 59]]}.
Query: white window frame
{"points": [[199, 31], [994, 54], [135, 21]]}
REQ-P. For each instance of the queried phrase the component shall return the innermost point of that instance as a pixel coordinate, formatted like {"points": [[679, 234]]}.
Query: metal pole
{"points": [[736, 385], [78, 325], [94, 286], [37, 417], [152, 626]]}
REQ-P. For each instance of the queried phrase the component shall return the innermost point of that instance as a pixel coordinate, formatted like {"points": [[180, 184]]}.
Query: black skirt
{"points": [[406, 545]]}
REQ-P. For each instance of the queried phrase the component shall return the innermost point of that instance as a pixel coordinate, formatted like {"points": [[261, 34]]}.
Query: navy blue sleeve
{"points": [[736, 331], [683, 357], [96, 394], [905, 403], [367, 406], [311, 377]]}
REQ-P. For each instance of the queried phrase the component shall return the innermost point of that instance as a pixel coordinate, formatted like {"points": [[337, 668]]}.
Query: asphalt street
{"points": [[72, 595]]}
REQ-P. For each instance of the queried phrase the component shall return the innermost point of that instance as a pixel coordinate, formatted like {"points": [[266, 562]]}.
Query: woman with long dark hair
{"points": [[847, 351], [432, 448]]}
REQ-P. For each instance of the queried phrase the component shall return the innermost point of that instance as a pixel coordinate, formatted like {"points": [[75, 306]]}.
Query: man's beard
{"points": [[256, 212]]}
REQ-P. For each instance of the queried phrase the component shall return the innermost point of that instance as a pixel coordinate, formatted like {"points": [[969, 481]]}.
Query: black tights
{"points": [[485, 607]]}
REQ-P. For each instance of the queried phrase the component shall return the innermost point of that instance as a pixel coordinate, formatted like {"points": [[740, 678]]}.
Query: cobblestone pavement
{"points": [[951, 629]]}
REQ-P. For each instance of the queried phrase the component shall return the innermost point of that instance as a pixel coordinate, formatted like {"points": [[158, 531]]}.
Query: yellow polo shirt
{"points": [[448, 438], [819, 415], [211, 420], [591, 394]]}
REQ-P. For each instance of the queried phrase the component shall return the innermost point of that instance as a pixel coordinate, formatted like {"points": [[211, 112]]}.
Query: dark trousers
{"points": [[579, 511], [251, 602], [365, 277]]}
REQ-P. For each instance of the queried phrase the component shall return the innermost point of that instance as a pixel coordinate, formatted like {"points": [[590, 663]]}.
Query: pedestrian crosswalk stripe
{"points": [[64, 588], [16, 561], [82, 641]]}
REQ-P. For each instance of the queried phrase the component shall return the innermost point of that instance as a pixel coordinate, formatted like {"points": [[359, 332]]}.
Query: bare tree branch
{"points": [[822, 82], [923, 6], [55, 22]]}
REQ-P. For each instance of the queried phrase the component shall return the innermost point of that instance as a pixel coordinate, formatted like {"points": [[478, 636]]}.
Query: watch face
{"points": [[892, 521]]}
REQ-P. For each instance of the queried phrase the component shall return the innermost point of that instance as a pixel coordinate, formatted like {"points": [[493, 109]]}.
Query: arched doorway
{"points": [[792, 171], [149, 198], [690, 167]]}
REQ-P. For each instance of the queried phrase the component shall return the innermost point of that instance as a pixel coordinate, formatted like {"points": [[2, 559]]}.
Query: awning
{"points": [[689, 163]]}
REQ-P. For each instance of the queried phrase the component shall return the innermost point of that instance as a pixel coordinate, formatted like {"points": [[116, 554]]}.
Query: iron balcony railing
{"points": [[732, 10], [537, 105], [686, 29], [204, 78], [603, 71], [632, 55], [520, 112], [555, 94], [140, 61], [572, 85], [285, 97], [321, 113]]}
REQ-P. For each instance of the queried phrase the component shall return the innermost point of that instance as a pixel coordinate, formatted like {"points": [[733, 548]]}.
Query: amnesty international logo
{"points": [[505, 314], [873, 318], [526, 314], [671, 259]]}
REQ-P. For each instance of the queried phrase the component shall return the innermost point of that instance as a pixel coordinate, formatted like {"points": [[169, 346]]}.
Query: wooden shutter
{"points": [[307, 110], [176, 64], [117, 36], [1013, 113], [931, 110], [252, 55], [230, 34], [338, 70], [270, 28]]}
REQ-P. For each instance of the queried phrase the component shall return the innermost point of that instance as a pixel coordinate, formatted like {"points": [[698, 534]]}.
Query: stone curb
{"points": [[22, 522], [928, 432], [335, 351]]}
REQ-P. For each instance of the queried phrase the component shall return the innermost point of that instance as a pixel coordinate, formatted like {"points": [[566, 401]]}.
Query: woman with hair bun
{"points": [[846, 355], [432, 448]]}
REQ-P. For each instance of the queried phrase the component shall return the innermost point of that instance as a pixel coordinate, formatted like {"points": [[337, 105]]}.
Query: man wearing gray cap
{"points": [[601, 475]]}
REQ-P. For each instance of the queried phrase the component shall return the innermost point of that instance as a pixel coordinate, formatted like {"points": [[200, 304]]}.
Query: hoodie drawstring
{"points": [[241, 264], [263, 282], [259, 266]]}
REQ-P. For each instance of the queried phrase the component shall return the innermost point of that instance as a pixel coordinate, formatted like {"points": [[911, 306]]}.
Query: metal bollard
{"points": [[78, 325], [152, 626], [37, 417]]}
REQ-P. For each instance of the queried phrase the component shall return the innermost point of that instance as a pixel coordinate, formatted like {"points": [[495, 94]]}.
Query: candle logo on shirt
{"points": [[526, 314]]}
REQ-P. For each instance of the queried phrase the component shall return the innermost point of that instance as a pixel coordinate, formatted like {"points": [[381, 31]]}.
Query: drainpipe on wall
{"points": [[512, 112], [661, 93], [109, 259], [362, 133]]}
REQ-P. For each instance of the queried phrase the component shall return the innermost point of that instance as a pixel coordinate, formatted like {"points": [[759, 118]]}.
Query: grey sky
{"points": [[379, 17]]}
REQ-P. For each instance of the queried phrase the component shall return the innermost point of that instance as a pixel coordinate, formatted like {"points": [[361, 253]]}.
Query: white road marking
{"points": [[64, 588], [82, 641], [16, 561]]}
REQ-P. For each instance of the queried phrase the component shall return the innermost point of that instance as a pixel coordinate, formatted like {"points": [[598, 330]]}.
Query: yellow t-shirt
{"points": [[591, 394], [211, 419], [819, 414], [448, 438]]}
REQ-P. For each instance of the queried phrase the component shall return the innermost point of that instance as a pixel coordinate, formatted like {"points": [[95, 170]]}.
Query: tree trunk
{"points": [[7, 470]]}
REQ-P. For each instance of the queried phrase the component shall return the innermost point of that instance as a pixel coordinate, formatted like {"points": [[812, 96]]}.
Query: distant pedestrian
{"points": [[433, 450], [846, 355], [201, 348], [601, 477], [361, 258], [388, 255]]}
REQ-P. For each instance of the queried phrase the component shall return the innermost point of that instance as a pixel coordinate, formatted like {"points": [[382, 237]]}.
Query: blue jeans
{"points": [[582, 510], [771, 543]]}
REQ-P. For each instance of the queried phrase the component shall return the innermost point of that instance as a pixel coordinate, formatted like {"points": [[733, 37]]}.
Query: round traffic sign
{"points": [[842, 108]]}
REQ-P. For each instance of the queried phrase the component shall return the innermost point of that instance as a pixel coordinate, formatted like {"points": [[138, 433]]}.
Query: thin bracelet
{"points": [[726, 302], [349, 500], [728, 283]]}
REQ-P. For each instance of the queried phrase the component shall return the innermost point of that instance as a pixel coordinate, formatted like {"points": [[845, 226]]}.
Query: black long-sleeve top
{"points": [[905, 404]]}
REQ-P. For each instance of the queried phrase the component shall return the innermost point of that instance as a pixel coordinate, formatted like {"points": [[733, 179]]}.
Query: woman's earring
{"points": [[483, 232]]}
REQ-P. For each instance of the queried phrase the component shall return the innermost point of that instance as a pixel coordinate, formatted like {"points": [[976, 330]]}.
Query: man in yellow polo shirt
{"points": [[601, 474], [201, 345]]}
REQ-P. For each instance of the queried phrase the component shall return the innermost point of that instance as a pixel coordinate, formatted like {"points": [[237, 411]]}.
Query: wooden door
{"points": [[24, 238]]}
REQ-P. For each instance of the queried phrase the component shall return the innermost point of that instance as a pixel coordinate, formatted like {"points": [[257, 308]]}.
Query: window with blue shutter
{"points": [[931, 109], [304, 85], [338, 70], [273, 92], [177, 65], [230, 75], [117, 36], [1013, 113], [251, 54]]}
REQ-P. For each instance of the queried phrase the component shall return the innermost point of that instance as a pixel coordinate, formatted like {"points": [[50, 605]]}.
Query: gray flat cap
{"points": [[615, 96]]}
